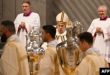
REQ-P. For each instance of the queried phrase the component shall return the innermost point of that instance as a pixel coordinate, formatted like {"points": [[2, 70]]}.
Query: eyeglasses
{"points": [[25, 6]]}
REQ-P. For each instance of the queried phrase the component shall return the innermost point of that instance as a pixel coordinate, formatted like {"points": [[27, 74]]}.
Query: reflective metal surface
{"points": [[34, 49], [67, 50]]}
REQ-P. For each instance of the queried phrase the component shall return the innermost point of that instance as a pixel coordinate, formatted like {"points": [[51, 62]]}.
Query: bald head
{"points": [[102, 7], [102, 11]]}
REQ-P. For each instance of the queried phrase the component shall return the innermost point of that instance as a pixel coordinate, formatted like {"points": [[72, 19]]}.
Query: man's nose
{"points": [[60, 26]]}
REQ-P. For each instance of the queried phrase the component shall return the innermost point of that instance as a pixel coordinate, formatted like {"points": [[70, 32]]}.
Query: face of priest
{"points": [[44, 35], [26, 8], [3, 30], [83, 45], [61, 26], [102, 11]]}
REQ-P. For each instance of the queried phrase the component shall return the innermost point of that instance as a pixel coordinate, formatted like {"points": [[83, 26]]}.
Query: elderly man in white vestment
{"points": [[90, 62], [14, 58], [49, 64], [100, 29], [62, 20], [25, 21], [67, 55]]}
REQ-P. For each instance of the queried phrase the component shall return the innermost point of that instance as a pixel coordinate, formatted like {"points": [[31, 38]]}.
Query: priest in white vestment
{"points": [[67, 55], [14, 58], [49, 64], [89, 61], [25, 21], [100, 29], [62, 21]]}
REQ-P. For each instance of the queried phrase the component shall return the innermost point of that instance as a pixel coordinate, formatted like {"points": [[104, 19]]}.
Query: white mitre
{"points": [[62, 17]]}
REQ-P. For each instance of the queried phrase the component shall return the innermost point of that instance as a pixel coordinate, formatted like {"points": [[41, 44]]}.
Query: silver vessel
{"points": [[68, 50], [34, 49]]}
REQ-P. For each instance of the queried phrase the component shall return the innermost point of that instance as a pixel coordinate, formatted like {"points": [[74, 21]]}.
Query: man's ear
{"points": [[5, 30]]}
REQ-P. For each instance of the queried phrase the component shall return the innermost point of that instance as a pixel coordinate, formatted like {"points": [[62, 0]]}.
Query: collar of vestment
{"points": [[13, 38], [52, 43], [90, 51], [28, 14], [104, 18], [63, 34], [85, 53]]}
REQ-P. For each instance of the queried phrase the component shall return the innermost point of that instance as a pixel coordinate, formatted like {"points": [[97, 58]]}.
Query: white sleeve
{"points": [[16, 22], [36, 21], [92, 28], [106, 33]]}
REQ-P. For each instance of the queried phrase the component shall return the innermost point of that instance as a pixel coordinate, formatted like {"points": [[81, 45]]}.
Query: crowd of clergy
{"points": [[91, 54]]}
